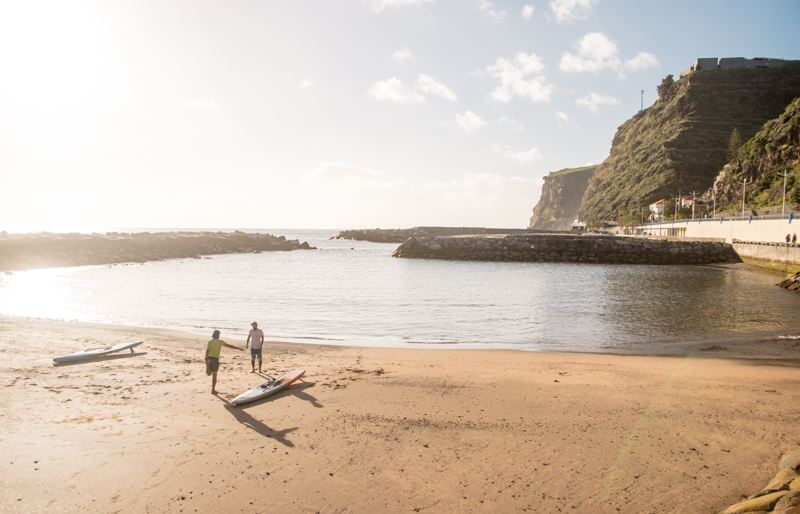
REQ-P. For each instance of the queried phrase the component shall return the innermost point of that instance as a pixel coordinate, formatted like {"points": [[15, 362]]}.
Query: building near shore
{"points": [[727, 63]]}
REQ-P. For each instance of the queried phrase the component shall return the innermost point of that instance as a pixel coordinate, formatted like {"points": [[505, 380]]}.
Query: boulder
{"points": [[780, 482], [762, 503], [790, 460], [790, 500]]}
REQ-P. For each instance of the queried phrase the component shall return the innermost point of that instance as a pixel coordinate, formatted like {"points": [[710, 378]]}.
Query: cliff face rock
{"points": [[681, 142], [772, 152], [560, 202]]}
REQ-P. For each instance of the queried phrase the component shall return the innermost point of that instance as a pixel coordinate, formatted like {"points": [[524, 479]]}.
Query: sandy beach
{"points": [[384, 430]]}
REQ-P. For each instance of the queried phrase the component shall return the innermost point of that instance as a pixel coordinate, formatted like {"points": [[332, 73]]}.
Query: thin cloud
{"points": [[593, 100], [520, 76], [524, 156], [402, 55], [470, 121], [208, 105], [394, 91], [341, 171], [527, 12], [570, 10], [642, 62], [380, 5], [305, 84], [488, 8], [505, 120], [429, 85], [594, 52], [562, 116]]}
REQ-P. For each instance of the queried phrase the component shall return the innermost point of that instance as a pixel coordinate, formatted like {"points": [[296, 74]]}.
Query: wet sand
{"points": [[384, 430]]}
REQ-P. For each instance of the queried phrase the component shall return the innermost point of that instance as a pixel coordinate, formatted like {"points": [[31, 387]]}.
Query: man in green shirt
{"points": [[212, 358]]}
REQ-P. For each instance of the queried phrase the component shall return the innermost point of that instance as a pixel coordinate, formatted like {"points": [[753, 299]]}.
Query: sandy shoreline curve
{"points": [[383, 430]]}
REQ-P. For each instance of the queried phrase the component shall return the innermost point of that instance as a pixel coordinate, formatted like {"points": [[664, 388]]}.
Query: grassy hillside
{"points": [[772, 152], [681, 142]]}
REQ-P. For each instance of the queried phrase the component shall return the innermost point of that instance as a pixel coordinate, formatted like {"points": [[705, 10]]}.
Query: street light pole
{"points": [[784, 175], [694, 198], [744, 185], [715, 199]]}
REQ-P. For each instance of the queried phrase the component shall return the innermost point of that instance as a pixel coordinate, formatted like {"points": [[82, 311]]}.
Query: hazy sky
{"points": [[332, 113]]}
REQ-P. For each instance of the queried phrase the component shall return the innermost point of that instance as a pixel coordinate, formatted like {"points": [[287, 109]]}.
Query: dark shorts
{"points": [[213, 363], [253, 354]]}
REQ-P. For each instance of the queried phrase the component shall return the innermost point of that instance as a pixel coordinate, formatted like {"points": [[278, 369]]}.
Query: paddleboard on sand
{"points": [[269, 387], [89, 354]]}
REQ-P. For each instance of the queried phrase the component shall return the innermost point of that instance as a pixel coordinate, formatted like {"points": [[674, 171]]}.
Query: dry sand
{"points": [[382, 430]]}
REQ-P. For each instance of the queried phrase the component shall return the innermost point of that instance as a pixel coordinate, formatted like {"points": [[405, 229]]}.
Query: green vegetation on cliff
{"points": [[682, 141], [764, 160], [562, 192]]}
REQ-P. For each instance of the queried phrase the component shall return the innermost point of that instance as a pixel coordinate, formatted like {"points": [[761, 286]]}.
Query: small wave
{"points": [[789, 337], [433, 342]]}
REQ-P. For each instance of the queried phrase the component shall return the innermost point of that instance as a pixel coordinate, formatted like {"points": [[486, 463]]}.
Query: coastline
{"points": [[382, 429]]}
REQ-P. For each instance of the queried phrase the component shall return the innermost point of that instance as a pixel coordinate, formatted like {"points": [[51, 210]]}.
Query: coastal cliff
{"points": [[20, 252], [682, 141], [560, 202]]}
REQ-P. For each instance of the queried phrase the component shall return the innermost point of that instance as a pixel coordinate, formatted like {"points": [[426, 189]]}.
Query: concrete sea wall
{"points": [[772, 229], [20, 252], [566, 248], [772, 255]]}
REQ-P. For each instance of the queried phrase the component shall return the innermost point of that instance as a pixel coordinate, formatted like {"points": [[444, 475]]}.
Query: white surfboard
{"points": [[89, 354], [269, 387]]}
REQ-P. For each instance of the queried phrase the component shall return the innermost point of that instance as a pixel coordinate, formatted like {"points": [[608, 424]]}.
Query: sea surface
{"points": [[355, 293]]}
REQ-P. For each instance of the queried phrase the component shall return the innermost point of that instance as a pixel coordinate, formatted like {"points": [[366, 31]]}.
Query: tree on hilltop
{"points": [[666, 89]]}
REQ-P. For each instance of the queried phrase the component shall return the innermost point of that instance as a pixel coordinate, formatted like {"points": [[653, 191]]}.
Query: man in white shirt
{"points": [[257, 336]]}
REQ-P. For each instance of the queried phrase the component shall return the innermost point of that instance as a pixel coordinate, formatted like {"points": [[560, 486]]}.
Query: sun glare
{"points": [[44, 293]]}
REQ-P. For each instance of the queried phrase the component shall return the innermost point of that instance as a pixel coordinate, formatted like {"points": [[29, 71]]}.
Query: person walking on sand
{"points": [[257, 336], [212, 358]]}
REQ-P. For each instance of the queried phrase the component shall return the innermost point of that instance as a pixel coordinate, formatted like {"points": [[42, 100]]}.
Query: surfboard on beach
{"points": [[269, 387], [98, 352]]}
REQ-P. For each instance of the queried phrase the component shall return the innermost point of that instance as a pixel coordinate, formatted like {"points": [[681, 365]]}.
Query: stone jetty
{"points": [[567, 248], [20, 252], [377, 235], [780, 496]]}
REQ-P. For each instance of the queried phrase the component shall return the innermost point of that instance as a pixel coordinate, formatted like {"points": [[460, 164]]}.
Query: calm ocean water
{"points": [[354, 293]]}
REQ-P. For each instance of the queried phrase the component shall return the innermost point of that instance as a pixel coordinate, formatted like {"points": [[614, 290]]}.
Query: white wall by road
{"points": [[758, 228]]}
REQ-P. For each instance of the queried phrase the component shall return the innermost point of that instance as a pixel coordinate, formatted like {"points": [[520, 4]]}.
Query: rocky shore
{"points": [[20, 252], [566, 248], [792, 283], [780, 496]]}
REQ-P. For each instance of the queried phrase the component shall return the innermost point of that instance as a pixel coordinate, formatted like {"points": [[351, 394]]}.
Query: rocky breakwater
{"points": [[49, 250], [565, 248], [378, 235], [780, 496]]}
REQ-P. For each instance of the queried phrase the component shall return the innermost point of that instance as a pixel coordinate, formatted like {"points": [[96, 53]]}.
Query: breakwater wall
{"points": [[566, 248], [377, 235], [20, 252]]}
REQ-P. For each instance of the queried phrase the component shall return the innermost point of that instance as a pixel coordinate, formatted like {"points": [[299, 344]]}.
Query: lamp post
{"points": [[694, 197], [715, 199], [744, 186], [784, 175]]}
